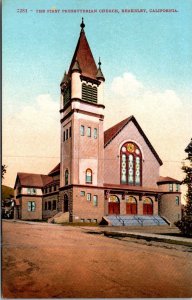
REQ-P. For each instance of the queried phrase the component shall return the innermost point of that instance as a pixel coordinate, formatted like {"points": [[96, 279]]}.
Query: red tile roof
{"points": [[55, 170], [167, 180], [84, 57], [33, 180], [112, 132]]}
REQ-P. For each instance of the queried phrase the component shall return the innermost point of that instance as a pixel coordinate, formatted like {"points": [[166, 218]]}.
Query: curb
{"points": [[150, 237]]}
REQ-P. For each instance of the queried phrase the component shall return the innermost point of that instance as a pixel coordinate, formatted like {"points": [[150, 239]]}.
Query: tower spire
{"points": [[82, 25], [99, 72]]}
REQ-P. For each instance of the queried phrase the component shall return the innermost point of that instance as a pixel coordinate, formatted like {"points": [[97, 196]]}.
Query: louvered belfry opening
{"points": [[89, 93], [67, 94]]}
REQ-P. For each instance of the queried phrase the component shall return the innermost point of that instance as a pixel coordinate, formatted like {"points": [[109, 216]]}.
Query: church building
{"points": [[109, 177]]}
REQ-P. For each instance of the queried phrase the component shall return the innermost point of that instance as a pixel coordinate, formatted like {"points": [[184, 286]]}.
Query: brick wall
{"points": [[31, 215], [84, 209], [168, 207]]}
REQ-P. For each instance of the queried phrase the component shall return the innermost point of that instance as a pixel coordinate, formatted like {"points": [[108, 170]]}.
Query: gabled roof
{"points": [[55, 170], [33, 180], [167, 180], [84, 57], [112, 132]]}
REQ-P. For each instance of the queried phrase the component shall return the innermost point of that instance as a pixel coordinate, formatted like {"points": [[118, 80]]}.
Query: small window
{"points": [[70, 132], [177, 187], [54, 204], [64, 136], [45, 190], [177, 200], [50, 189], [82, 193], [89, 131], [66, 177], [88, 176], [31, 206], [170, 187], [82, 130], [49, 205], [31, 191], [46, 205], [55, 188], [82, 220], [67, 133], [88, 197], [95, 133], [95, 200]]}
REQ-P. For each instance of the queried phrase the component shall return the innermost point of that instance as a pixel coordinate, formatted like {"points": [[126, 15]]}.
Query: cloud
{"points": [[163, 116], [31, 138]]}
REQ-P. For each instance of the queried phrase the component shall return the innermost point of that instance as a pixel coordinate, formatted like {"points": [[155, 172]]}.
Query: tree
{"points": [[185, 224], [3, 171]]}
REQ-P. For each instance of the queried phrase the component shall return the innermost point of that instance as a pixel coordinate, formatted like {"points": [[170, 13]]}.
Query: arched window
{"points": [[131, 164], [88, 176], [66, 177], [89, 93]]}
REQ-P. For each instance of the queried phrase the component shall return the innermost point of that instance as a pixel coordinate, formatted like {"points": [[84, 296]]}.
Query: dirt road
{"points": [[50, 261]]}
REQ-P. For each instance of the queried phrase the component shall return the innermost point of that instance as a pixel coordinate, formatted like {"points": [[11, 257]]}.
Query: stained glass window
{"points": [[131, 164], [123, 169], [88, 178]]}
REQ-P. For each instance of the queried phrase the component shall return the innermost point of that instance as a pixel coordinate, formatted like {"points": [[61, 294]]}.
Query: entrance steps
{"points": [[59, 218], [133, 220]]}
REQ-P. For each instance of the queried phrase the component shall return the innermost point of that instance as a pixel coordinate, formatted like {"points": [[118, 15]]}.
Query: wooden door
{"points": [[113, 208], [147, 209], [131, 208]]}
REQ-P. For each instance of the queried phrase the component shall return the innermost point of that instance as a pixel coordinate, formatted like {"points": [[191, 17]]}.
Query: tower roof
{"points": [[84, 56]]}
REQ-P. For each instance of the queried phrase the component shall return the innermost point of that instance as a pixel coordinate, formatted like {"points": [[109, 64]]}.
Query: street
{"points": [[50, 261]]}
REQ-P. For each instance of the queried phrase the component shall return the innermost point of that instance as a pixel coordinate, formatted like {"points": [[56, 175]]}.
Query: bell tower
{"points": [[82, 115]]}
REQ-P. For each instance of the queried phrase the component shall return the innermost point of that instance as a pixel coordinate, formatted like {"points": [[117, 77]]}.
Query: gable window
{"points": [[95, 200], [66, 177], [131, 164], [63, 136], [31, 191], [82, 130], [70, 132], [89, 131], [31, 205], [171, 187], [88, 197], [95, 133], [67, 134], [88, 176], [89, 93]]}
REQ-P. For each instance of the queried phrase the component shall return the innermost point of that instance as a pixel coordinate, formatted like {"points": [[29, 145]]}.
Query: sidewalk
{"points": [[151, 237]]}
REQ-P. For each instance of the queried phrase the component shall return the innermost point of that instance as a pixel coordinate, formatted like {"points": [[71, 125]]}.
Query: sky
{"points": [[146, 60]]}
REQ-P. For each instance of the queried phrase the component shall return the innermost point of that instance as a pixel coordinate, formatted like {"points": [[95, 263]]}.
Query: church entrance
{"points": [[113, 205], [66, 204], [131, 206], [148, 206]]}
